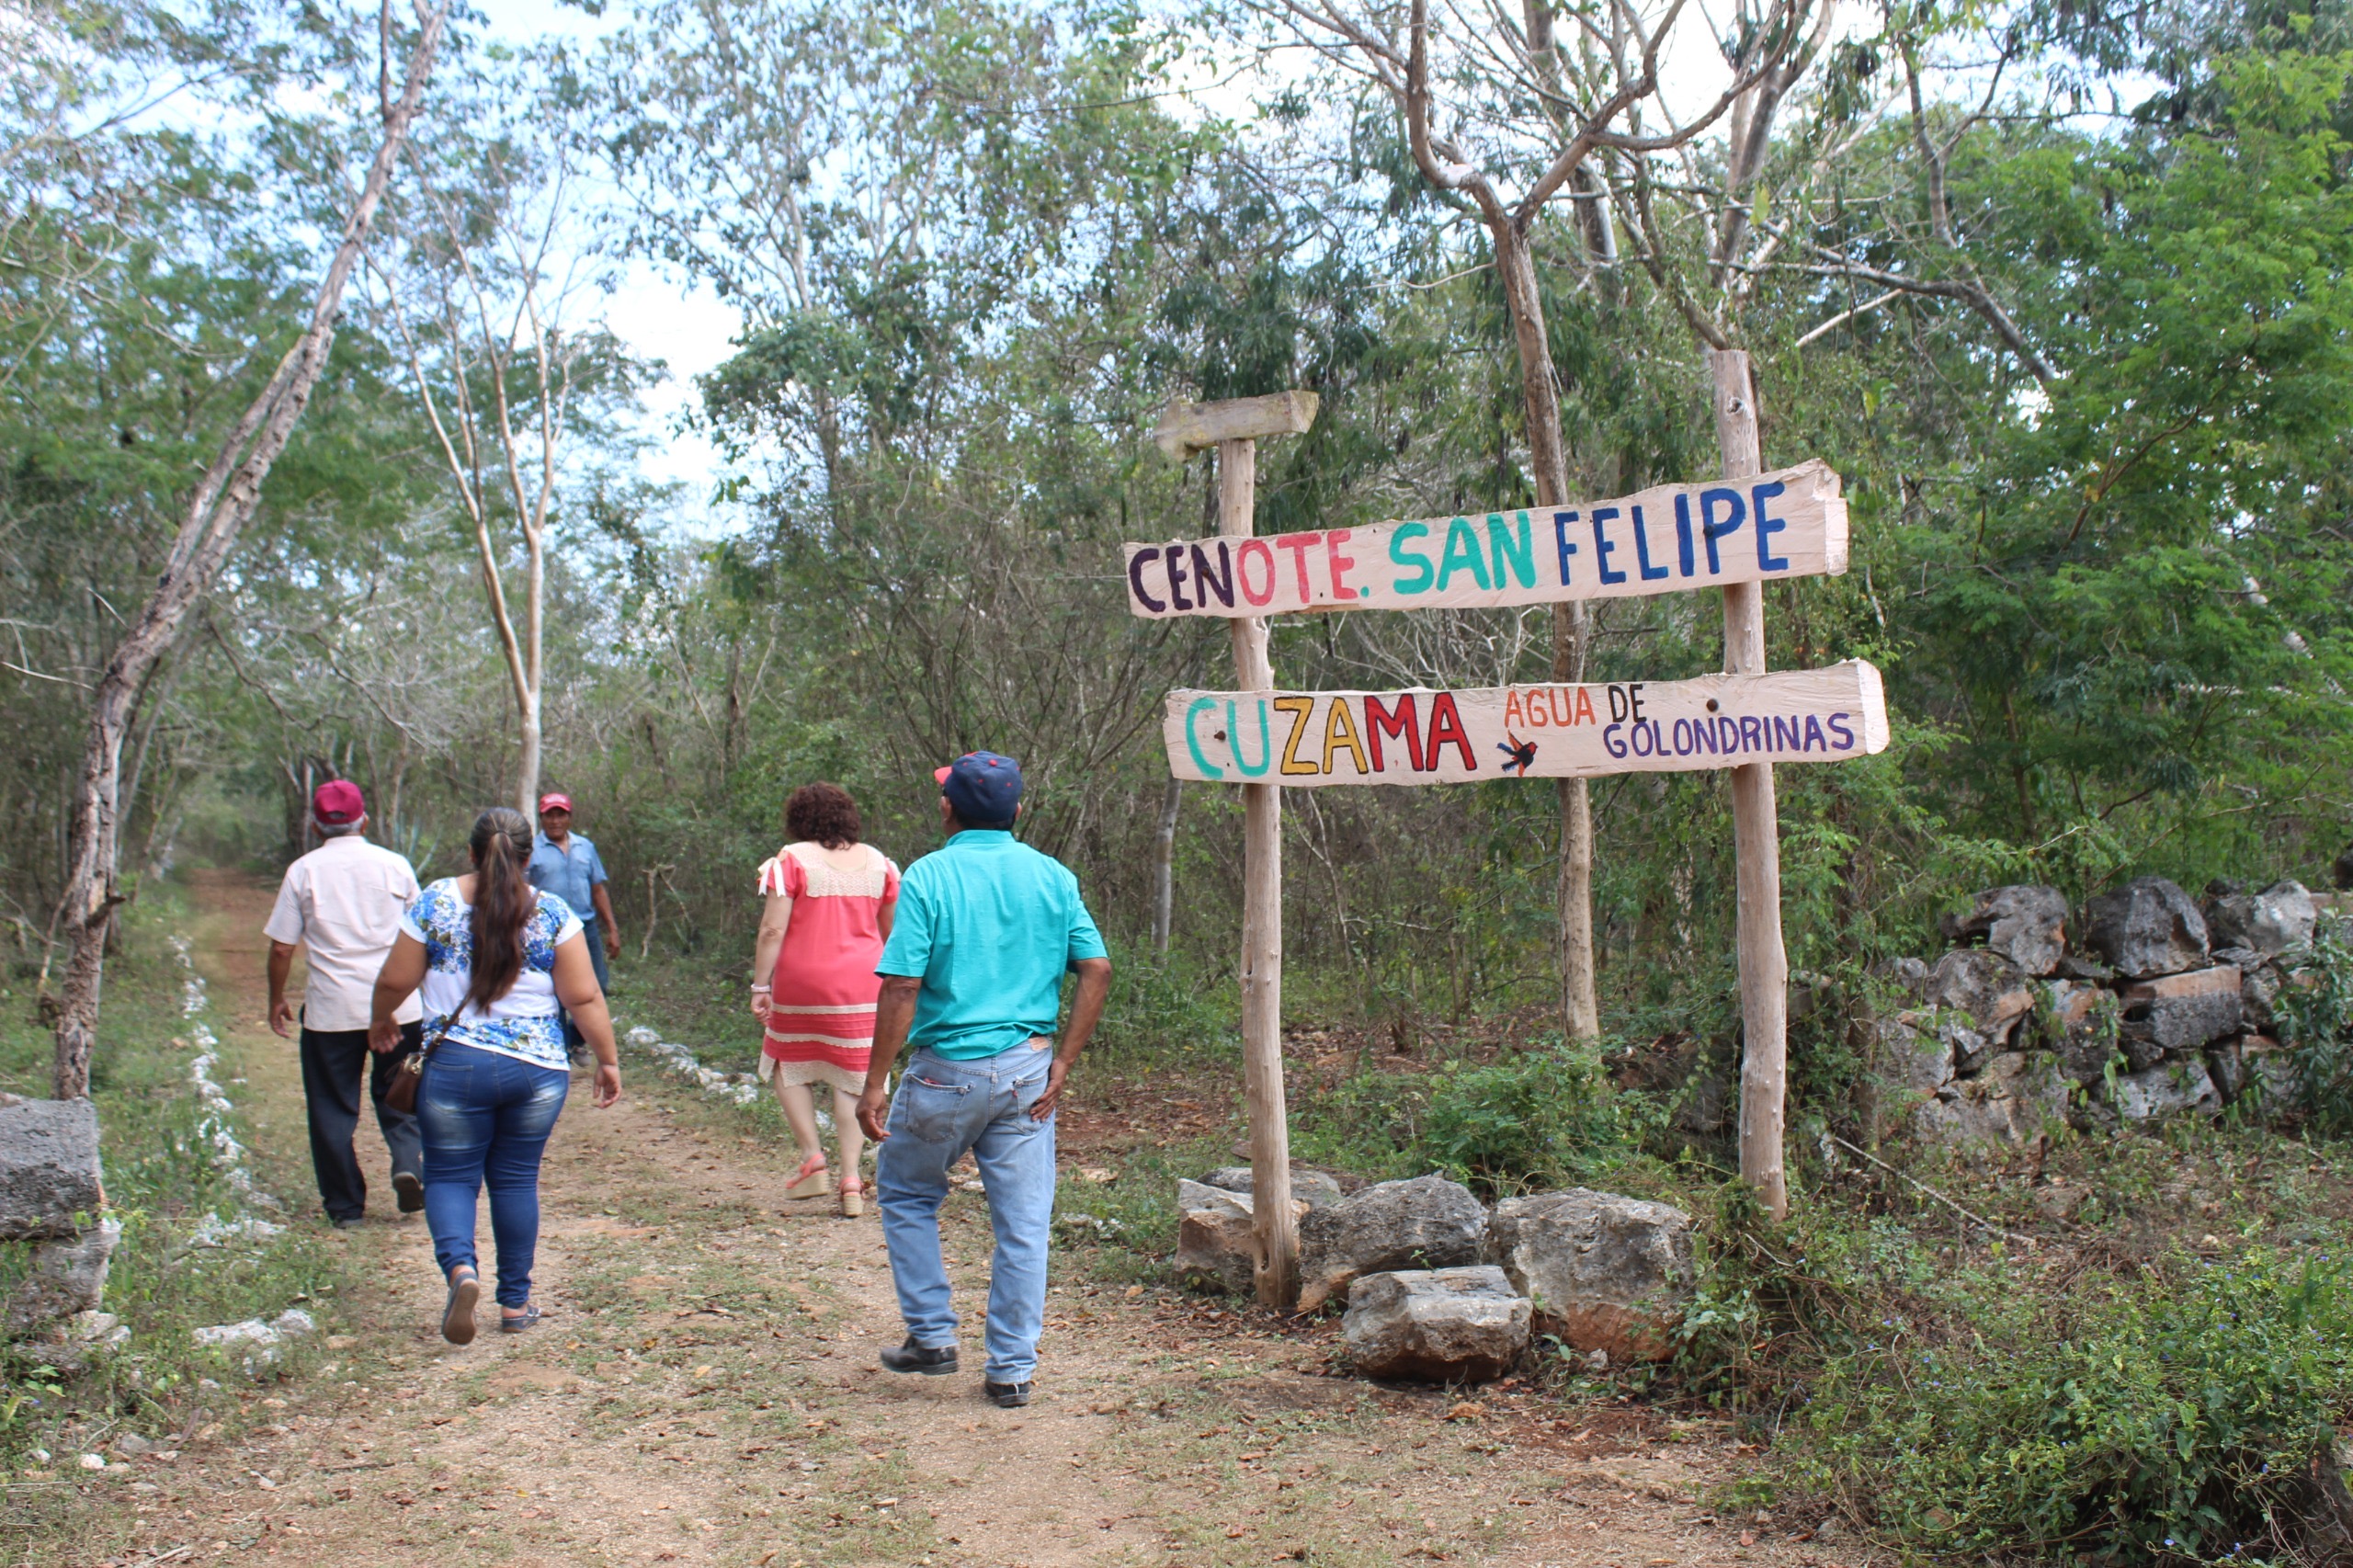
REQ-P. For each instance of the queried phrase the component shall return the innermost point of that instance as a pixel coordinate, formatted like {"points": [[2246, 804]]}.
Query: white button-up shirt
{"points": [[342, 902]]}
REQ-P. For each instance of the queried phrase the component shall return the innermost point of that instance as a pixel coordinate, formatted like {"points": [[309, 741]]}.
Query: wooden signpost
{"points": [[1234, 427], [1737, 533]]}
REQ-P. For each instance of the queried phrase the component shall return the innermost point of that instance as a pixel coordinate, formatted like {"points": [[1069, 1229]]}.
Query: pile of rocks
{"points": [[52, 1216], [1439, 1287], [2162, 1007]]}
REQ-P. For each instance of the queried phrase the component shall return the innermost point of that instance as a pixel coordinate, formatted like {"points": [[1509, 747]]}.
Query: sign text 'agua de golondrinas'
{"points": [[1306, 739], [1791, 523]]}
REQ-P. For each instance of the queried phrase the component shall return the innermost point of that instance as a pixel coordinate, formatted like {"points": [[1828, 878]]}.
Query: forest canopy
{"points": [[2061, 291]]}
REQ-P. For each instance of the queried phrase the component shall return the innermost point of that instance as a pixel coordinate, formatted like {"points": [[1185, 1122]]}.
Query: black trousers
{"points": [[333, 1063]]}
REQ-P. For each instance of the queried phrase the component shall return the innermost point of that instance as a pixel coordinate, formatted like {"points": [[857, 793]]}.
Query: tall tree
{"points": [[1489, 158], [217, 510]]}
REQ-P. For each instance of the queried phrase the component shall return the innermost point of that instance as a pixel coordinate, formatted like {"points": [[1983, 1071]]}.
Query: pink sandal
{"points": [[813, 1181], [853, 1192]]}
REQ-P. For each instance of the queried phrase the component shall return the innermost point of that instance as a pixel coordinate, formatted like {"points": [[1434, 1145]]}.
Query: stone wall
{"points": [[2147, 1003]]}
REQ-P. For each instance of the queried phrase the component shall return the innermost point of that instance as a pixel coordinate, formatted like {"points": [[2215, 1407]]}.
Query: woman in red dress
{"points": [[829, 902]]}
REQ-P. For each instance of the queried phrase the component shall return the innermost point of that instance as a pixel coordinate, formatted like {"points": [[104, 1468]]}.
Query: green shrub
{"points": [[1529, 1120], [2316, 1023], [2166, 1417]]}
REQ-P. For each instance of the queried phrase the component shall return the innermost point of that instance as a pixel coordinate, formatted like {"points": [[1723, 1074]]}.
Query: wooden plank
{"points": [[1756, 838], [1189, 427], [1313, 739], [1274, 1226], [1669, 539]]}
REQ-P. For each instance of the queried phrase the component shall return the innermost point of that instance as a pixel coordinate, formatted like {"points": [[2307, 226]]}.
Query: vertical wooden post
{"points": [[1262, 932], [1756, 838], [1234, 426]]}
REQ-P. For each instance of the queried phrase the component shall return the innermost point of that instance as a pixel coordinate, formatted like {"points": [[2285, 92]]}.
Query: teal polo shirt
{"points": [[990, 926]]}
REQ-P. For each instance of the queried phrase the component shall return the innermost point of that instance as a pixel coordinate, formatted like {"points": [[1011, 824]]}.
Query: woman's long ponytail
{"points": [[503, 903]]}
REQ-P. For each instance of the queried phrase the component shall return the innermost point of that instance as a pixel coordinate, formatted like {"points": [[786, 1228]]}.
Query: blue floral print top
{"points": [[526, 1023]]}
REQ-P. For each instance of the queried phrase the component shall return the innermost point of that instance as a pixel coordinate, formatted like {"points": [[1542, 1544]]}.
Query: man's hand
{"points": [[1054, 1076], [612, 941], [281, 1019], [874, 1111], [383, 1036]]}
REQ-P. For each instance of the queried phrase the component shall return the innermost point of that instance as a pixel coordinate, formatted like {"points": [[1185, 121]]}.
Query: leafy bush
{"points": [[2316, 1021], [2170, 1416], [1533, 1119]]}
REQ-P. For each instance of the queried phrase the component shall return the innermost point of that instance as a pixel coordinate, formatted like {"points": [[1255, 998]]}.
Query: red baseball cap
{"points": [[555, 800], [338, 802]]}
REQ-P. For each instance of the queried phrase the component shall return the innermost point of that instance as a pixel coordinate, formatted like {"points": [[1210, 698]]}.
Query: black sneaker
{"points": [[409, 1187], [923, 1358], [1009, 1396]]}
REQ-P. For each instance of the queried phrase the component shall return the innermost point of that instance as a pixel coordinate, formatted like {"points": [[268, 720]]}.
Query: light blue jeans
{"points": [[941, 1110], [486, 1119]]}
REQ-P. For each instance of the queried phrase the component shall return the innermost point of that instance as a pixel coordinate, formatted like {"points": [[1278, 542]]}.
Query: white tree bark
{"points": [[218, 509]]}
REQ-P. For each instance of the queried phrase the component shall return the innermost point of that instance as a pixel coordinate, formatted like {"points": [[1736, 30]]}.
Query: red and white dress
{"points": [[821, 1013]]}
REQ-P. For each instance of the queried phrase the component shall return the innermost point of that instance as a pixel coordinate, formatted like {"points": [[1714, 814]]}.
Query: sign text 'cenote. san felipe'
{"points": [[1673, 537]]}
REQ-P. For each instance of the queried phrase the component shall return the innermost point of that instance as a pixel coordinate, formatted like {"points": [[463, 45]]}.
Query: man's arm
{"points": [[605, 921], [281, 964], [894, 1015], [1086, 1012]]}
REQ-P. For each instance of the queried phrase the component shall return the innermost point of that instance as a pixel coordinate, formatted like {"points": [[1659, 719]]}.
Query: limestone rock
{"points": [[2179, 1012], [48, 1167], [1905, 1058], [1427, 1222], [64, 1277], [2148, 926], [2173, 1089], [2020, 1095], [1985, 986], [1607, 1272], [1312, 1188], [1216, 1237], [2026, 925], [1439, 1325], [2281, 917], [2081, 1027]]}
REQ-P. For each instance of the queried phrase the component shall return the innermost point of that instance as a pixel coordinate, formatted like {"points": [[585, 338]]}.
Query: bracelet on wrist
{"points": [[757, 989]]}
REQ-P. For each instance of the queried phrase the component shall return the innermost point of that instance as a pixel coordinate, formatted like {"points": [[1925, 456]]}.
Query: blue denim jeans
{"points": [[486, 1119], [941, 1110]]}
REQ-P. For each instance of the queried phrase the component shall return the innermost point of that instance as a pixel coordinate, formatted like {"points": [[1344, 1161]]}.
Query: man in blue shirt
{"points": [[567, 865], [971, 977]]}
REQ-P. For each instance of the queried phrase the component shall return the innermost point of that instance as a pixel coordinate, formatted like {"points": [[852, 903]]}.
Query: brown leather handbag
{"points": [[399, 1095]]}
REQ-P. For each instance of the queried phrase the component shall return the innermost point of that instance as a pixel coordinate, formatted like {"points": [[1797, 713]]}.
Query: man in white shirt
{"points": [[343, 902]]}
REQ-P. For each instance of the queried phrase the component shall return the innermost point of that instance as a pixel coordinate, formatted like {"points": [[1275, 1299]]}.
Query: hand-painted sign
{"points": [[1306, 739], [1787, 524]]}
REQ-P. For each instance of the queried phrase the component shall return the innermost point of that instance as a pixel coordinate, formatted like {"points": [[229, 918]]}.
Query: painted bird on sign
{"points": [[1521, 753]]}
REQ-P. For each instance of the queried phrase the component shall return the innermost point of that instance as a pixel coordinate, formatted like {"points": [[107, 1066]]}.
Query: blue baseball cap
{"points": [[982, 787]]}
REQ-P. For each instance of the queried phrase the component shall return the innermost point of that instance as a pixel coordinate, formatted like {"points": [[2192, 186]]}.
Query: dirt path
{"points": [[704, 1391]]}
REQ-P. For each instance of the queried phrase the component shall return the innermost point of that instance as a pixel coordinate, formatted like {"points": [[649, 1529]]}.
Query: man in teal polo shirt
{"points": [[971, 977]]}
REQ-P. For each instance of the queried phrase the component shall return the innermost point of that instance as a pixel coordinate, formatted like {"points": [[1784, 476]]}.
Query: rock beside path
{"points": [[1607, 1272], [2147, 927], [1427, 1222], [48, 1167], [2281, 917], [2026, 925], [1439, 1325], [1312, 1188]]}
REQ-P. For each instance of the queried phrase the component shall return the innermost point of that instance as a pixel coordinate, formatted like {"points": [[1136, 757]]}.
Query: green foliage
{"points": [[1533, 1119], [2168, 1416], [2316, 1024]]}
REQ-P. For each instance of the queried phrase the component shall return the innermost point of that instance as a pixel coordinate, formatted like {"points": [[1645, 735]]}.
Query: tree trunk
{"points": [[1580, 1010], [1756, 839], [1163, 867], [224, 500]]}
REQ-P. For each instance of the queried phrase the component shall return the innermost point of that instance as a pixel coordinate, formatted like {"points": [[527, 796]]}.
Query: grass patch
{"points": [[161, 1184]]}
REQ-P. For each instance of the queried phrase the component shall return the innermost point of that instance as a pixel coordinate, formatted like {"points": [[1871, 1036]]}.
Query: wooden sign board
{"points": [[1791, 523], [1309, 739]]}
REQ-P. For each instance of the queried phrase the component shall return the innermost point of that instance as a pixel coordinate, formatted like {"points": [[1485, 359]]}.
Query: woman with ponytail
{"points": [[497, 962]]}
